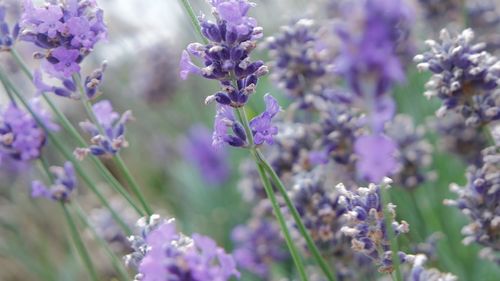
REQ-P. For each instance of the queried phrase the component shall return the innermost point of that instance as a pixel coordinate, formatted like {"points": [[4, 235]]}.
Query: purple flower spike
{"points": [[376, 157], [64, 183], [262, 127], [162, 253], [49, 18], [113, 138]]}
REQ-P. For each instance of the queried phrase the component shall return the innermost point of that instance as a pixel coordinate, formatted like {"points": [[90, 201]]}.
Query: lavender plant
{"points": [[343, 121]]}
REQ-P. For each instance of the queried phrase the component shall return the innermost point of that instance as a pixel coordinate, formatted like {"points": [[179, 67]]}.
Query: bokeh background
{"points": [[145, 40]]}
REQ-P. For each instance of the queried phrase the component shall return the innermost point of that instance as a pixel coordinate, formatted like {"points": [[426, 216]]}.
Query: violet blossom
{"points": [[64, 184]]}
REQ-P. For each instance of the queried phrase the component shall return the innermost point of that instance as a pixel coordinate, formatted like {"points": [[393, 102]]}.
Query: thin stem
{"points": [[80, 246], [384, 193], [63, 120], [121, 164], [298, 221], [194, 20], [68, 155], [261, 162], [117, 264], [279, 215], [132, 183], [9, 93]]}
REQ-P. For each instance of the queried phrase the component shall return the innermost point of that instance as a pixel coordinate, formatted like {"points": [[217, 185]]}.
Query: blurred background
{"points": [[146, 38]]}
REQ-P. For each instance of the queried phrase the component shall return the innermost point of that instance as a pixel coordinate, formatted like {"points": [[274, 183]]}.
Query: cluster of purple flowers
{"points": [[465, 77], [111, 138], [258, 243], [299, 62], [366, 224], [227, 59], [67, 30], [414, 153], [162, 253], [63, 185], [479, 201], [21, 138], [372, 36]]}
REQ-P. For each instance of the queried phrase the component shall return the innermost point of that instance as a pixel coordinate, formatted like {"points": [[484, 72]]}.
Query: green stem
{"points": [[384, 192], [279, 215], [80, 246], [132, 183], [194, 20], [121, 164], [63, 120], [298, 221], [117, 264], [261, 162], [68, 155]]}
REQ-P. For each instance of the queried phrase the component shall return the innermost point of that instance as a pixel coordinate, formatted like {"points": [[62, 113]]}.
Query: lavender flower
{"points": [[420, 273], [261, 125], [112, 139], [317, 204], [484, 18], [64, 184], [457, 138], [226, 57], [300, 63], [376, 157], [258, 243], [464, 77], [7, 35], [164, 254], [211, 162], [414, 153], [366, 225], [67, 30], [20, 136], [479, 201], [373, 35]]}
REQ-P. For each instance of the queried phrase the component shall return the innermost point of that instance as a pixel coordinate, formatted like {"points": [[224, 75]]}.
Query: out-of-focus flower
{"points": [[67, 30], [210, 162], [112, 138], [64, 184], [258, 243], [458, 138], [7, 35], [20, 136], [162, 253], [414, 152], [376, 157], [300, 63], [420, 273], [479, 201], [465, 77]]}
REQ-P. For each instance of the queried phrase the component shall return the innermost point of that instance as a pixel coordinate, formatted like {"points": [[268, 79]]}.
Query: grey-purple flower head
{"points": [[63, 185], [227, 55], [67, 30], [21, 138], [162, 253], [479, 201], [465, 77], [108, 137]]}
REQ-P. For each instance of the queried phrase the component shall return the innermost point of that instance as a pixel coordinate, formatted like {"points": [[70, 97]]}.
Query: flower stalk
{"points": [[115, 184], [59, 146]]}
